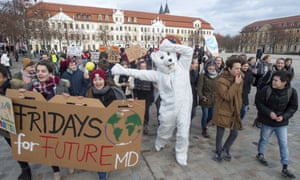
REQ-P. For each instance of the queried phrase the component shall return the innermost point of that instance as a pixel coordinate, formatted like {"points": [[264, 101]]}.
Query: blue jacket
{"points": [[78, 85]]}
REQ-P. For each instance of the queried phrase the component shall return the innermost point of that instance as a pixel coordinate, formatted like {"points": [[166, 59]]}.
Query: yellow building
{"points": [[60, 25], [281, 35]]}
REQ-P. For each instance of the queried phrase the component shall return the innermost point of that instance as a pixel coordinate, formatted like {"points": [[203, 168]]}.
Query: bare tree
{"points": [[194, 38], [290, 40], [38, 16], [103, 34], [12, 17], [228, 43], [276, 37]]}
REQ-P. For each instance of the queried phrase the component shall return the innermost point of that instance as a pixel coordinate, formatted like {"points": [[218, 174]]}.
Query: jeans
{"points": [[281, 134], [243, 111], [102, 175], [229, 141], [207, 113]]}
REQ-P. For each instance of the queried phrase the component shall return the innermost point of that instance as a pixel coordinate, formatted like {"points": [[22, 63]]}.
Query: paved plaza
{"points": [[162, 165]]}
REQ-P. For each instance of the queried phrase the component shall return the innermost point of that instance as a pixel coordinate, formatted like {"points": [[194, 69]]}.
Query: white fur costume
{"points": [[173, 80]]}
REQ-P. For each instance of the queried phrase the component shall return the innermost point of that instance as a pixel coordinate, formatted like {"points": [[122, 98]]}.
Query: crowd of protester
{"points": [[220, 87]]}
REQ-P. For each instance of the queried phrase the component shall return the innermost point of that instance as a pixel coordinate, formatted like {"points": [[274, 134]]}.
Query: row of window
{"points": [[284, 25], [104, 37], [105, 18], [84, 16], [127, 28]]}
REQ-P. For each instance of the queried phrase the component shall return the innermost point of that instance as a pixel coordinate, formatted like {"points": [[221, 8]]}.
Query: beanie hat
{"points": [[98, 73], [27, 62], [209, 63], [70, 60]]}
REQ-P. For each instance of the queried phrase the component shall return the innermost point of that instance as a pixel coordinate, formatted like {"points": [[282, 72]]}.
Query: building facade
{"points": [[59, 26], [281, 35]]}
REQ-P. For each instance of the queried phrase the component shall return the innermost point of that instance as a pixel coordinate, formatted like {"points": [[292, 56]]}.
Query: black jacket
{"points": [[279, 103], [248, 79]]}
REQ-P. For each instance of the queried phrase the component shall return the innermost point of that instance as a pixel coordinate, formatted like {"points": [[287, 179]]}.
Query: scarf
{"points": [[102, 92], [69, 71], [47, 89], [212, 75], [27, 77]]}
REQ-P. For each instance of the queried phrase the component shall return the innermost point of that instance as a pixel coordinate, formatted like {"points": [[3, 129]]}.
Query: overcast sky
{"points": [[227, 17]]}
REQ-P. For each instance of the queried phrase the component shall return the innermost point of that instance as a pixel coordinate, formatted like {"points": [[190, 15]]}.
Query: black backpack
{"points": [[256, 122]]}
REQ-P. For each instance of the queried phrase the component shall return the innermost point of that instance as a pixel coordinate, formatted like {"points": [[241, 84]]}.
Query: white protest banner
{"points": [[95, 56], [211, 44], [74, 51]]}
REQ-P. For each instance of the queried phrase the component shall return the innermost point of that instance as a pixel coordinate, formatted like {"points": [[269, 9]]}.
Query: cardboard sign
{"points": [[113, 55], [77, 132], [7, 119], [135, 52], [103, 48]]}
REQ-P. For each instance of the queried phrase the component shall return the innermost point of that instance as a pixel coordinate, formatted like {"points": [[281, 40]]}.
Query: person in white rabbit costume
{"points": [[173, 80]]}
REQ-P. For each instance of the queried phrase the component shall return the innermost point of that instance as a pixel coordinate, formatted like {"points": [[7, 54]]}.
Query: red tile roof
{"points": [[284, 22], [144, 18]]}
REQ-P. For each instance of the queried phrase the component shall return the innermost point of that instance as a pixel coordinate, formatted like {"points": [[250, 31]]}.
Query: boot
{"points": [[204, 133], [286, 173], [25, 174], [227, 156]]}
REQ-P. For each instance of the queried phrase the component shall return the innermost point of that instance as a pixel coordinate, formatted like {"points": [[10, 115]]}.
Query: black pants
{"points": [[229, 141], [148, 97], [157, 103]]}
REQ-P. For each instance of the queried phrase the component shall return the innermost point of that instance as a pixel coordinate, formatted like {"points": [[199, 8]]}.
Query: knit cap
{"points": [[27, 62], [98, 73]]}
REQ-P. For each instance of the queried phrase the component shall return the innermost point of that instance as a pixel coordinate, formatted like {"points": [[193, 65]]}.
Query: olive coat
{"points": [[206, 86]]}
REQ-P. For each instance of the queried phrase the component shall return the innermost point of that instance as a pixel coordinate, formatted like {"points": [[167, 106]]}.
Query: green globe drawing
{"points": [[123, 127]]}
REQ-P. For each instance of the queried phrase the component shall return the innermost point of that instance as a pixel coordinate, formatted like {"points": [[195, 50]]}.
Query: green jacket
{"points": [[206, 86]]}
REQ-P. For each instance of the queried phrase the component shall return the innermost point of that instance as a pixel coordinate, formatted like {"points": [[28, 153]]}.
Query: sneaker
{"points": [[261, 159], [218, 157], [227, 156], [57, 176], [71, 171], [287, 173]]}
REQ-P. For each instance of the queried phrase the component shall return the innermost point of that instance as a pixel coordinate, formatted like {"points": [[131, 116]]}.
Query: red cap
{"points": [[98, 73]]}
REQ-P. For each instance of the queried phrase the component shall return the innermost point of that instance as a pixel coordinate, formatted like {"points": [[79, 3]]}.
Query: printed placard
{"points": [[95, 56], [7, 119], [74, 51]]}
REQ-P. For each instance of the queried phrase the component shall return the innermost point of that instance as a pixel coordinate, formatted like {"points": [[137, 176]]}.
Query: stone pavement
{"points": [[162, 165]]}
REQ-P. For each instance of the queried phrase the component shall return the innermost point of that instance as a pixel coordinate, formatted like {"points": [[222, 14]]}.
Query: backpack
{"points": [[269, 92], [256, 122]]}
